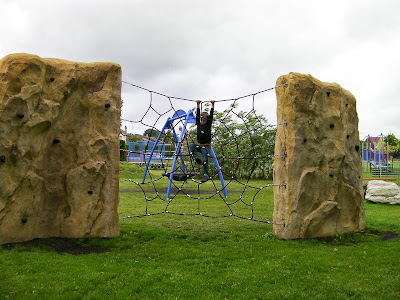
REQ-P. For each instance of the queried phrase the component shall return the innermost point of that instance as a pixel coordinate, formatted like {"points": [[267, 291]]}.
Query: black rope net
{"points": [[243, 145]]}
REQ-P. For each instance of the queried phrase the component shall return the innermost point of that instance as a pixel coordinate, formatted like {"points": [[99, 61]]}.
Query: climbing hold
{"points": [[347, 104], [3, 158], [24, 220], [357, 148], [52, 79], [332, 125], [347, 136], [328, 93], [90, 192], [56, 141], [20, 116], [107, 105]]}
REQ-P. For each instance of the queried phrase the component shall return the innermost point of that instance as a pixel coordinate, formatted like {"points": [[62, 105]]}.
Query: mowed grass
{"points": [[168, 256]]}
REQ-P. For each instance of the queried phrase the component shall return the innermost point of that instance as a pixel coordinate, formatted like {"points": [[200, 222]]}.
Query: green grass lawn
{"points": [[169, 256]]}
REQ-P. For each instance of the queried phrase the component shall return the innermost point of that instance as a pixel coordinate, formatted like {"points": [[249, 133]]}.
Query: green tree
{"points": [[393, 141], [151, 132], [243, 142], [122, 147], [134, 137]]}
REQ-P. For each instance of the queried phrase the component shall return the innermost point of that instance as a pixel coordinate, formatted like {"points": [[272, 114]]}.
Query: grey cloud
{"points": [[220, 49]]}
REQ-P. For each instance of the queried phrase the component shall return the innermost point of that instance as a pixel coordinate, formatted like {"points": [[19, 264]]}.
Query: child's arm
{"points": [[198, 112], [211, 115]]}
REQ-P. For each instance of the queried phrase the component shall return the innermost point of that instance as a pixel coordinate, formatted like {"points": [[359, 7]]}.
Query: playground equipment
{"points": [[377, 162], [188, 117], [375, 151]]}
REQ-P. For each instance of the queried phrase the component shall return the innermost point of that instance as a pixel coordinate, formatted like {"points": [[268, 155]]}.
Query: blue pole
{"points": [[179, 141], [152, 151], [219, 171], [177, 151], [171, 175]]}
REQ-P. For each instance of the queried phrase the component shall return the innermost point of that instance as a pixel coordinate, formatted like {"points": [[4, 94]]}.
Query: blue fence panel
{"points": [[140, 152]]}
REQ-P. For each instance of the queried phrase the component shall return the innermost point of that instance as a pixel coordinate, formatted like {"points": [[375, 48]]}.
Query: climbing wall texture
{"points": [[321, 170], [59, 156]]}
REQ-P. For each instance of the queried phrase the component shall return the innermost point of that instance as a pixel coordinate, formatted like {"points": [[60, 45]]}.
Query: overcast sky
{"points": [[222, 49]]}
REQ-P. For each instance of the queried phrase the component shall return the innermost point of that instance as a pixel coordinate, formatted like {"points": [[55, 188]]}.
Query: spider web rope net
{"points": [[243, 143]]}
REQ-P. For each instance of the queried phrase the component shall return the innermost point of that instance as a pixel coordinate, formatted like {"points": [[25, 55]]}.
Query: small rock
{"points": [[381, 191]]}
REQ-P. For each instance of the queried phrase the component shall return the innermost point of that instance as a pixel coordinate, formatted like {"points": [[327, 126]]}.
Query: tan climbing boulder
{"points": [[59, 128], [320, 192]]}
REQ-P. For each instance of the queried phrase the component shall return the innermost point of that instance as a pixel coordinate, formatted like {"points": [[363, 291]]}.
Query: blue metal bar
{"points": [[219, 171], [179, 141], [177, 152], [154, 148]]}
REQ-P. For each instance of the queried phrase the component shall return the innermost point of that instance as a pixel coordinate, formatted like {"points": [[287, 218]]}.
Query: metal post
{"points": [[178, 150], [154, 148], [219, 171]]}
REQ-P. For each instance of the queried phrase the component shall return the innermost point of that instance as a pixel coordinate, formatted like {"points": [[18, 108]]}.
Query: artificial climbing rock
{"points": [[59, 128], [320, 192]]}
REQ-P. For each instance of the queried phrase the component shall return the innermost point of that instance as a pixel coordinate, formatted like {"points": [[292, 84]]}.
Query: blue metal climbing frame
{"points": [[188, 117]]}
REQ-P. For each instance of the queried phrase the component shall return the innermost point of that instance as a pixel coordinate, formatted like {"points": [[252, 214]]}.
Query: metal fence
{"points": [[390, 171]]}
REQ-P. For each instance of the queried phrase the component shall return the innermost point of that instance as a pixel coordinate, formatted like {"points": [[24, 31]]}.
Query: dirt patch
{"points": [[354, 237], [61, 245], [387, 235]]}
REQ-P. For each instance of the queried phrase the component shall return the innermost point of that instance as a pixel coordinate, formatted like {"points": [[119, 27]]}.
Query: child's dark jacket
{"points": [[204, 131]]}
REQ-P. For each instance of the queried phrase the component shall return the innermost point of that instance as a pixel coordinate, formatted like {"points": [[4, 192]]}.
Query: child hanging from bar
{"points": [[203, 122]]}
